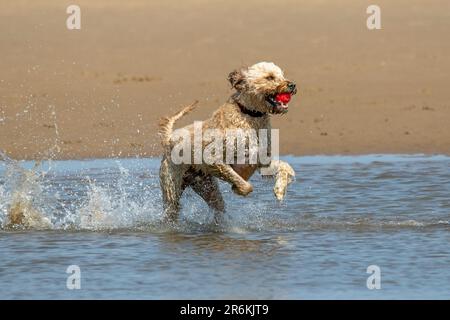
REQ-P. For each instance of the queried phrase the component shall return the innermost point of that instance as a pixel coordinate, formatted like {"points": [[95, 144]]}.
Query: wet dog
{"points": [[259, 92]]}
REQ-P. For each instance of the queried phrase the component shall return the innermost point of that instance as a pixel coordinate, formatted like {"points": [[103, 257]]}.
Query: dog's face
{"points": [[263, 87]]}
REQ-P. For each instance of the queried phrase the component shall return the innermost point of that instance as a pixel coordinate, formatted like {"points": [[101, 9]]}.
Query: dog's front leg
{"points": [[283, 174], [239, 185]]}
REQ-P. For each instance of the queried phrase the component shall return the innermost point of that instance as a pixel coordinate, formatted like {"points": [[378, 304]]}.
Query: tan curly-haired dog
{"points": [[257, 89]]}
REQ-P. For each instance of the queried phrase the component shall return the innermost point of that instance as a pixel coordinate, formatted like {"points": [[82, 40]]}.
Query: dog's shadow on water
{"points": [[232, 246]]}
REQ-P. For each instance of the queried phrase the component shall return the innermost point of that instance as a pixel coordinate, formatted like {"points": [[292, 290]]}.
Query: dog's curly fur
{"points": [[249, 107]]}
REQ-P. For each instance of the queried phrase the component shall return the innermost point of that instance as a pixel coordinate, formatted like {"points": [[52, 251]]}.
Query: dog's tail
{"points": [[166, 124]]}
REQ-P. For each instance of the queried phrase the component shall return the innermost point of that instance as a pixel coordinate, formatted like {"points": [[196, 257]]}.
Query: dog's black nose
{"points": [[291, 86]]}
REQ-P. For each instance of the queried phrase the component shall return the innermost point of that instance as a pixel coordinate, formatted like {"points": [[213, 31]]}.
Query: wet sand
{"points": [[99, 91]]}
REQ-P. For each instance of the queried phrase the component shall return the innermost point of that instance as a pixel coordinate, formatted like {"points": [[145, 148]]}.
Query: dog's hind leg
{"points": [[171, 187], [207, 187]]}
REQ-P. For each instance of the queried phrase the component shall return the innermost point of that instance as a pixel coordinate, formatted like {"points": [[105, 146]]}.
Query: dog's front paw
{"points": [[283, 178], [243, 189], [280, 188]]}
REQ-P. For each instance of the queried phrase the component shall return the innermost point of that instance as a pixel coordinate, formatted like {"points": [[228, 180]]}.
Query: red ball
{"points": [[283, 97]]}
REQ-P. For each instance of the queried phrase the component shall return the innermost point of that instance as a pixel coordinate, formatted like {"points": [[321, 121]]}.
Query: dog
{"points": [[256, 93]]}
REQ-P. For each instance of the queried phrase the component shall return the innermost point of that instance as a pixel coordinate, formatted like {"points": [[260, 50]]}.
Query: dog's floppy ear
{"points": [[236, 79]]}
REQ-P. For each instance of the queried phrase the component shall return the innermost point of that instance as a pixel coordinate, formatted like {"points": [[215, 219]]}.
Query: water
{"points": [[341, 215]]}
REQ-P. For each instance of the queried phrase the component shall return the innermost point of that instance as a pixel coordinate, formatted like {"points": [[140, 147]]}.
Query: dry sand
{"points": [[99, 91]]}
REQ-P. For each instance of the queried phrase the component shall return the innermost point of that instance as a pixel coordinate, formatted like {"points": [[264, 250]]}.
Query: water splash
{"points": [[39, 199], [20, 205], [100, 211]]}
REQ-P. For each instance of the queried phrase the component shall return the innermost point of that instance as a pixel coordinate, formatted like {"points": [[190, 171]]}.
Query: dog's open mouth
{"points": [[279, 102]]}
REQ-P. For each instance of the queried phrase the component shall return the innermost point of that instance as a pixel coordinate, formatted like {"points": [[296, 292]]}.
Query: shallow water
{"points": [[341, 215]]}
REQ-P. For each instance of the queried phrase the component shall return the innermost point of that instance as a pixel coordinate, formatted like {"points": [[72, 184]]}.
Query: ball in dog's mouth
{"points": [[279, 102]]}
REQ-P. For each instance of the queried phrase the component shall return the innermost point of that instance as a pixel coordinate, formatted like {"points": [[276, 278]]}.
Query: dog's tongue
{"points": [[283, 97]]}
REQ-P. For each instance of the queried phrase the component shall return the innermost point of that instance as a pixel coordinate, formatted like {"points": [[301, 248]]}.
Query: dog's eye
{"points": [[270, 78]]}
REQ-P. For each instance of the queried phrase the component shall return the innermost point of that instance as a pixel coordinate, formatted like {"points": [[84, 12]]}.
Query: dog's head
{"points": [[263, 87]]}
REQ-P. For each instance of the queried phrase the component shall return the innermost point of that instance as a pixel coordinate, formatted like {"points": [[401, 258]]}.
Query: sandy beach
{"points": [[99, 91]]}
